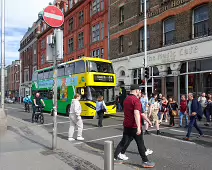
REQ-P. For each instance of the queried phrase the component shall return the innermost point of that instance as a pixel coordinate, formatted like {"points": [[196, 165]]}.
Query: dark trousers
{"points": [[171, 120], [100, 115], [193, 123], [207, 115], [128, 135], [35, 108]]}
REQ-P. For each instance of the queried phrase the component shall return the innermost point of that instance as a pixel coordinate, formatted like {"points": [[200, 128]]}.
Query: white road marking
{"points": [[95, 128], [109, 137], [53, 16], [186, 132], [177, 130], [53, 123], [179, 140]]}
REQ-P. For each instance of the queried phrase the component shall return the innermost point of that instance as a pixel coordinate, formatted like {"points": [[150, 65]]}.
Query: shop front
{"points": [[175, 70]]}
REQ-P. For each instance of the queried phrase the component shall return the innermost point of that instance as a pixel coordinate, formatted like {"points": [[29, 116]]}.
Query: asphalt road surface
{"points": [[170, 151]]}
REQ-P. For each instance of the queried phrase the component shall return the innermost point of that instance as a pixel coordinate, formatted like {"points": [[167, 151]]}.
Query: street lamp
{"points": [[19, 64]]}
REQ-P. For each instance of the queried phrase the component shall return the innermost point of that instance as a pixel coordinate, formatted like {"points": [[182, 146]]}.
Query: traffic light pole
{"points": [[145, 45]]}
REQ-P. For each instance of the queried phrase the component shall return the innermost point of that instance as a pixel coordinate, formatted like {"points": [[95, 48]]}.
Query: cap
{"points": [[134, 87]]}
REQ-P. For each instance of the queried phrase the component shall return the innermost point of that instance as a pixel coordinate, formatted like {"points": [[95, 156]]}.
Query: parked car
{"points": [[8, 100]]}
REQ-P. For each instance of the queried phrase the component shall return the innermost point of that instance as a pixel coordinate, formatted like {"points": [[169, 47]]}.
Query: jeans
{"points": [[119, 107], [101, 116], [128, 135], [207, 115], [181, 118], [193, 122], [35, 108]]}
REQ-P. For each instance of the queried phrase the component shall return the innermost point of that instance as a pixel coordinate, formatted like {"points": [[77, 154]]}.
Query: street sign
{"points": [[53, 16]]}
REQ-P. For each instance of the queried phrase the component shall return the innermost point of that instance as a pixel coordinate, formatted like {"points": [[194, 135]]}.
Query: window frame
{"points": [[81, 40], [70, 45], [165, 43], [141, 39], [81, 18], [121, 14], [142, 5], [96, 32]]}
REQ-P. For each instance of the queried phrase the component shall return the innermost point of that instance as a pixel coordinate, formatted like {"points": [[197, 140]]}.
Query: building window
{"points": [[95, 33], [121, 44], [169, 31], [97, 6], [43, 59], [142, 5], [201, 20], [81, 18], [121, 14], [26, 75], [43, 44], [102, 30], [71, 3], [96, 53], [102, 53], [137, 76], [71, 24], [141, 43], [35, 57], [81, 40], [70, 46]]}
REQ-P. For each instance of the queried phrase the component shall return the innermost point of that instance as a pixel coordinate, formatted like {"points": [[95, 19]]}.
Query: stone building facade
{"points": [[178, 40]]}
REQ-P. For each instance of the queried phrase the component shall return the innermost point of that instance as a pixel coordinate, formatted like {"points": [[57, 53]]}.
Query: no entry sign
{"points": [[53, 16]]}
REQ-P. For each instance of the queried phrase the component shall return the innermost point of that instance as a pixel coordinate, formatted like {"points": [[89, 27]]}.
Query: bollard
{"points": [[108, 156]]}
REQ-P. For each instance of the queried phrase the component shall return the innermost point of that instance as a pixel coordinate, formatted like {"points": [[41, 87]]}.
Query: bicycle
{"points": [[27, 108], [39, 114]]}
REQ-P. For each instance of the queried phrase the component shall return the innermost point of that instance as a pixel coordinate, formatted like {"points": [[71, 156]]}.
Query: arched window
{"points": [[137, 76], [122, 73], [169, 31], [201, 20]]}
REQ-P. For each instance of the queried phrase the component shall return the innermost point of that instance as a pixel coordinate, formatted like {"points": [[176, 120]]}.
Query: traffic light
{"points": [[146, 73]]}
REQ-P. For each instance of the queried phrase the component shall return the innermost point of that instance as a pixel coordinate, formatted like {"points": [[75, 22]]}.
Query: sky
{"points": [[19, 15]]}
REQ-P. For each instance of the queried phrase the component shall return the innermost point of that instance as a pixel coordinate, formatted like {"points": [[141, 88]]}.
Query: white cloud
{"points": [[19, 15]]}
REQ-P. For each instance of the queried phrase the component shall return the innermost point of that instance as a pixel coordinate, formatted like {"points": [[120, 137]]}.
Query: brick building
{"points": [[28, 56], [178, 40], [45, 31], [85, 29]]}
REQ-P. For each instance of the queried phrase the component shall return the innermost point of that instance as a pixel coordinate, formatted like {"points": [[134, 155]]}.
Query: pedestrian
{"points": [[163, 109], [183, 111], [173, 110], [144, 102], [193, 110], [133, 126], [75, 119], [208, 110], [100, 109], [203, 100], [154, 114]]}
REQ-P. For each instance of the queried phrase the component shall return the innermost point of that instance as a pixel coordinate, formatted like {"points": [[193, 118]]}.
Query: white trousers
{"points": [[75, 122]]}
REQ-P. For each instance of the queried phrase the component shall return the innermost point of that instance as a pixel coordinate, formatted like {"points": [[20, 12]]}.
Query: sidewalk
{"points": [[27, 147]]}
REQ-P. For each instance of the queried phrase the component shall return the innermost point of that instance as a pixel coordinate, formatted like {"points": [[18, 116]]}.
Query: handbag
{"points": [[174, 112]]}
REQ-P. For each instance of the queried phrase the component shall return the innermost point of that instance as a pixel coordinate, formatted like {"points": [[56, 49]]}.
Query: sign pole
{"points": [[145, 45], [54, 134]]}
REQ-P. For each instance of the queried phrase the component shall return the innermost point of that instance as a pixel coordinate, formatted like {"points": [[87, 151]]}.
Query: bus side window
{"points": [[50, 95], [61, 71], [58, 94], [50, 74], [79, 67], [40, 76], [35, 76], [69, 70], [46, 74]]}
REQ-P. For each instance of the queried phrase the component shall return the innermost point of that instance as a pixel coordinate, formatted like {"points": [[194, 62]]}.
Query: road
{"points": [[170, 151]]}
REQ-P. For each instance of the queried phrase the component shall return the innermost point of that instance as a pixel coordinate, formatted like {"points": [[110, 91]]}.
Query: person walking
{"points": [[154, 114], [183, 111], [193, 109], [173, 110], [203, 100], [133, 126], [163, 109], [208, 111], [75, 119], [100, 109]]}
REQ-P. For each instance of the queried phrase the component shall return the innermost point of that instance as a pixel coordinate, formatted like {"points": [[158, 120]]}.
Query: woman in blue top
{"points": [[100, 109]]}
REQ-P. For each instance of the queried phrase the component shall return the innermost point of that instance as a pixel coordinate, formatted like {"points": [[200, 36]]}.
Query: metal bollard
{"points": [[108, 156]]}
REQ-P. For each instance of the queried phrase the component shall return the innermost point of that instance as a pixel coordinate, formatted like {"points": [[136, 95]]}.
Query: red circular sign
{"points": [[53, 16]]}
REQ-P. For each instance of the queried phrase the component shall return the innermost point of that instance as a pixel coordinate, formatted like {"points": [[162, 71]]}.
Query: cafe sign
{"points": [[169, 5]]}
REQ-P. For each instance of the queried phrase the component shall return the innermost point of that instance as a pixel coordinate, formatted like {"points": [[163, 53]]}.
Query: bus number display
{"points": [[103, 78]]}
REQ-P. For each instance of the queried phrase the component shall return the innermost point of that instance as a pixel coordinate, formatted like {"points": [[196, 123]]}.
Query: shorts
{"points": [[155, 115]]}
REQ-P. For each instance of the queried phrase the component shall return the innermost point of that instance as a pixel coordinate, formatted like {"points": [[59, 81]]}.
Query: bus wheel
{"points": [[67, 110]]}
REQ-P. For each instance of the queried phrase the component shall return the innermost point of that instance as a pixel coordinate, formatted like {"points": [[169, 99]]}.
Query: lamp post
{"points": [[145, 43], [19, 64]]}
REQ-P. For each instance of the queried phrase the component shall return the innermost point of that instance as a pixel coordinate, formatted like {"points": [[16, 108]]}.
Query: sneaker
{"points": [[148, 152], [71, 139], [166, 121], [200, 136], [206, 124], [148, 164], [123, 157], [159, 132], [80, 138]]}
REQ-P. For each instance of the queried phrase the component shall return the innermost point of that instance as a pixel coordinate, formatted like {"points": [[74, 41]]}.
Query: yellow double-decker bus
{"points": [[89, 77]]}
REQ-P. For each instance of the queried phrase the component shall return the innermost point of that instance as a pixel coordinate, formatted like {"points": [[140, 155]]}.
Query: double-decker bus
{"points": [[89, 77]]}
